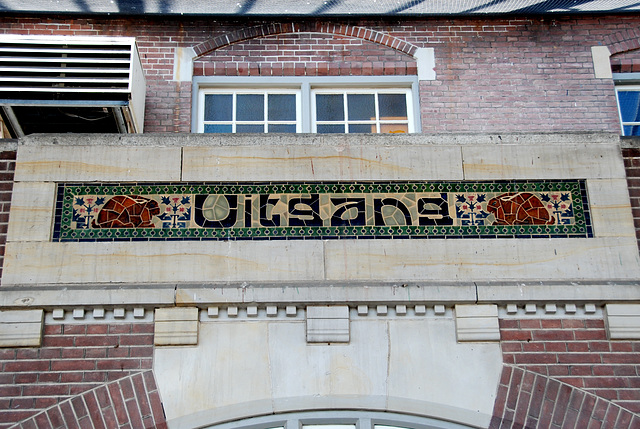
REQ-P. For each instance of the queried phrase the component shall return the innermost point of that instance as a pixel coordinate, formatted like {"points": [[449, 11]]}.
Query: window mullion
{"points": [[234, 106], [377, 110], [265, 112], [346, 112], [364, 423], [306, 114], [292, 424], [619, 111]]}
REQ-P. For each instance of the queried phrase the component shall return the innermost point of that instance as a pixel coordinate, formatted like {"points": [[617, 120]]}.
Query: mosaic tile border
{"points": [[322, 210]]}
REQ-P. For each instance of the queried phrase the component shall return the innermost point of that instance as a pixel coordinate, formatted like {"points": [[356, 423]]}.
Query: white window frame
{"points": [[359, 419], [204, 84], [249, 91], [377, 121], [626, 82]]}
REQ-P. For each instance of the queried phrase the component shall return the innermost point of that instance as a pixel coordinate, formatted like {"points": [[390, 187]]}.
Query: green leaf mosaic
{"points": [[321, 210]]}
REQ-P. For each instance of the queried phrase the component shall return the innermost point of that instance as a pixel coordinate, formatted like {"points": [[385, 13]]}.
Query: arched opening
{"points": [[339, 419]]}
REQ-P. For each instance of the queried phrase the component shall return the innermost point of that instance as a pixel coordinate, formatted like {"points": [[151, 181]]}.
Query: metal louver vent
{"points": [[91, 73]]}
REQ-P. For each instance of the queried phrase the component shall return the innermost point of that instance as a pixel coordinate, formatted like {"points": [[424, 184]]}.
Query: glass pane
{"points": [[329, 107], [282, 128], [362, 128], [250, 107], [249, 128], [629, 105], [632, 130], [392, 106], [217, 128], [282, 107], [218, 107], [361, 107], [394, 128], [330, 129]]}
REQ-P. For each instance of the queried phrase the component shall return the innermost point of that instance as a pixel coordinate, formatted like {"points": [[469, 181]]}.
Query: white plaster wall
{"points": [[248, 368]]}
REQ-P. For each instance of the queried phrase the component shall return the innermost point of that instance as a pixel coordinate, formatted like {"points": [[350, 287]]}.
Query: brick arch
{"points": [[628, 60], [133, 401], [292, 28], [623, 41], [530, 400]]}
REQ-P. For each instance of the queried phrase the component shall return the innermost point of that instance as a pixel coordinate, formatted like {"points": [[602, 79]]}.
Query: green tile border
{"points": [[580, 226]]}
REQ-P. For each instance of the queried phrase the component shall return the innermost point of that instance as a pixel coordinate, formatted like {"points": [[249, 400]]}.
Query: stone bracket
{"points": [[328, 324], [601, 62], [477, 323], [177, 326], [426, 61], [622, 321], [21, 328]]}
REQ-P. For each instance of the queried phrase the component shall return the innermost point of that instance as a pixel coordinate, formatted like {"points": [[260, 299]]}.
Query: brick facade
{"points": [[130, 402], [577, 353], [626, 62], [494, 75], [77, 365], [530, 400], [305, 55], [565, 373]]}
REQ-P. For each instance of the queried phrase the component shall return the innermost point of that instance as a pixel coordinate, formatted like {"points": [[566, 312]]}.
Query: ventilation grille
{"points": [[66, 68]]}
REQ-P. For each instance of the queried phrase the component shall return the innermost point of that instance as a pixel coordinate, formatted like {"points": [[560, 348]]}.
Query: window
{"points": [[250, 111], [629, 108], [305, 105], [628, 96], [362, 111], [338, 419]]}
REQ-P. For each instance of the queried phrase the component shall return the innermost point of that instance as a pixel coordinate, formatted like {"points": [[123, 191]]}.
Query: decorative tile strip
{"points": [[322, 210]]}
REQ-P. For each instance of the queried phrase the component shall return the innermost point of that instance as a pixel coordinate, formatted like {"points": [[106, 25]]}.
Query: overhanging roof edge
{"points": [[319, 8]]}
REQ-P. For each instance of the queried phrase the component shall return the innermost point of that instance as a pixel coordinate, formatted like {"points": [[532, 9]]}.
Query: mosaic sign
{"points": [[321, 210]]}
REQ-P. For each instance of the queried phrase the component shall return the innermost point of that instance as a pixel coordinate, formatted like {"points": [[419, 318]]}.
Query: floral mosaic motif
{"points": [[471, 209], [177, 211], [322, 210], [560, 206], [85, 209]]}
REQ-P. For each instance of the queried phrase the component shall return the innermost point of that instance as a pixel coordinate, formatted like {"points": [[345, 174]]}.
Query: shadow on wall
{"points": [[136, 7]]}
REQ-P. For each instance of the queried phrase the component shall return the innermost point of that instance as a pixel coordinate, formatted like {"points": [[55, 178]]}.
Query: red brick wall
{"points": [[632, 165], [73, 359], [578, 353], [532, 401], [493, 75], [130, 402], [305, 55], [626, 62]]}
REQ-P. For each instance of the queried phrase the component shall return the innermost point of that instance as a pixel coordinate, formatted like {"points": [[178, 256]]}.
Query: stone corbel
{"points": [[21, 328], [177, 326], [477, 323]]}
